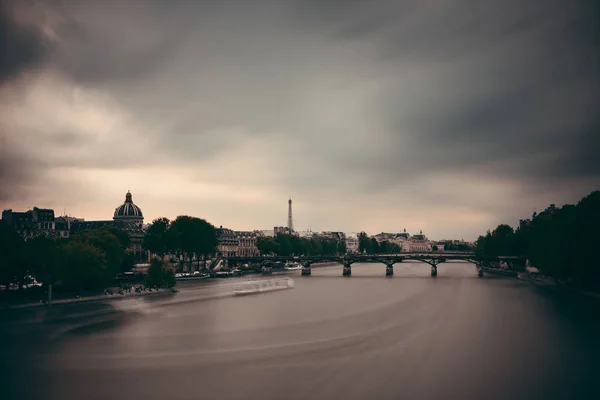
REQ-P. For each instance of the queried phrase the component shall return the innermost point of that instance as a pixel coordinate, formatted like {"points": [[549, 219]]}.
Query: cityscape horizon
{"points": [[308, 229]]}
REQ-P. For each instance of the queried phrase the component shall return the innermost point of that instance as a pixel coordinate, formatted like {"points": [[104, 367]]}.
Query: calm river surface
{"points": [[411, 336]]}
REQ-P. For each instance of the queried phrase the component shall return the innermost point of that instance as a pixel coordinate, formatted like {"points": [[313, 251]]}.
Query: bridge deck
{"points": [[379, 258]]}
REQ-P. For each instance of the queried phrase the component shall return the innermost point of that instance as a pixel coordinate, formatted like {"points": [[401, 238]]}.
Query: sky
{"points": [[443, 116]]}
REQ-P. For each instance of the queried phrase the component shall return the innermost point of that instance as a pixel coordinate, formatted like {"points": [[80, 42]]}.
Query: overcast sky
{"points": [[445, 116]]}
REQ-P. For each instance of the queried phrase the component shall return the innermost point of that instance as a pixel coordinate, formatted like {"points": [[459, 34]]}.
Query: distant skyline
{"points": [[449, 117]]}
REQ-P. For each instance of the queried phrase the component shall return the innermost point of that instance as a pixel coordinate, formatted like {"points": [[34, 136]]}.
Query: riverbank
{"points": [[109, 294], [550, 283]]}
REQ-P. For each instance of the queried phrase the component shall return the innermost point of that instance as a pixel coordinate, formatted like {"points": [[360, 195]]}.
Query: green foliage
{"points": [[107, 241], [83, 266], [560, 242], [374, 248], [187, 236], [87, 261], [434, 248], [158, 237], [268, 245], [206, 238], [364, 243], [45, 258], [12, 256], [160, 274], [284, 244]]}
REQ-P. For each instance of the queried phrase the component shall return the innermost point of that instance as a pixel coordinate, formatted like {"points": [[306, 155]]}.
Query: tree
{"points": [[384, 247], [364, 243], [160, 274], [561, 242], [158, 237], [182, 232], [12, 255], [315, 246], [107, 241], [44, 258], [205, 236], [434, 248], [375, 249], [342, 247], [83, 266], [267, 245]]}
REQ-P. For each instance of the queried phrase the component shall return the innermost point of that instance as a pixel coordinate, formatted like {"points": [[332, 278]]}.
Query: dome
{"points": [[128, 210]]}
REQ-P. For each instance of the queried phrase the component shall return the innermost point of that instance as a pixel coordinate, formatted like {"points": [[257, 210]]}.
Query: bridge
{"points": [[346, 260]]}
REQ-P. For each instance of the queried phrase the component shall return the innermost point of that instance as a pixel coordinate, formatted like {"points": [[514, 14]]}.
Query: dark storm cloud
{"points": [[370, 98], [21, 48], [505, 81]]}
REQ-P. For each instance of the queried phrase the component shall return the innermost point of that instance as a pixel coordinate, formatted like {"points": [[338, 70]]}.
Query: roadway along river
{"points": [[364, 337]]}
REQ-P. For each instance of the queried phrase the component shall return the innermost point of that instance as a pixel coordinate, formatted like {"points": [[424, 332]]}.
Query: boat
{"points": [[501, 272], [292, 266], [194, 276]]}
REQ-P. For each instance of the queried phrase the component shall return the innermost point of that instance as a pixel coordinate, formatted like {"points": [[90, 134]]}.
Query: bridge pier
{"points": [[389, 269], [306, 269], [434, 270], [347, 271]]}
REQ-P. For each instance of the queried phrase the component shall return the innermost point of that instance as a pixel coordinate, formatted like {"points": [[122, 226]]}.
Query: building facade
{"points": [[39, 221], [419, 243], [247, 243], [227, 242], [232, 243], [351, 244], [402, 239], [283, 230]]}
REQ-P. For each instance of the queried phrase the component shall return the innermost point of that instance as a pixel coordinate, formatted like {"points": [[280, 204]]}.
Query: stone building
{"points": [[227, 242], [232, 243], [419, 243], [247, 243], [42, 221], [127, 217], [39, 221]]}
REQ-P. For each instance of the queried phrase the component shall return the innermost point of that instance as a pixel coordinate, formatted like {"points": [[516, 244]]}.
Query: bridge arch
{"points": [[389, 260]]}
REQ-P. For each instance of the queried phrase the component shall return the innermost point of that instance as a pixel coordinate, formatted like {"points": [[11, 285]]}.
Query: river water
{"points": [[361, 337]]}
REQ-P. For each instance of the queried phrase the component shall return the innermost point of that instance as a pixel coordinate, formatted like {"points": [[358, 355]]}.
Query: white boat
{"points": [[261, 286], [293, 266]]}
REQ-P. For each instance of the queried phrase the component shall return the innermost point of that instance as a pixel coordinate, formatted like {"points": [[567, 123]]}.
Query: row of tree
{"points": [[560, 242], [284, 244], [370, 245], [186, 237], [86, 261]]}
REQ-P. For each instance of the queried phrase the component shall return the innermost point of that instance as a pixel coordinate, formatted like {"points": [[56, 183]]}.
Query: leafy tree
{"points": [[107, 242], [44, 258], [315, 246], [342, 247], [160, 274], [267, 245], [375, 248], [434, 248], [182, 232], [286, 244], [12, 255], [364, 243], [205, 236], [158, 237], [83, 266], [561, 242]]}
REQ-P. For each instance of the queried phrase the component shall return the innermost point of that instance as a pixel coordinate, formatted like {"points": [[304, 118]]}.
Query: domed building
{"points": [[129, 212], [127, 217]]}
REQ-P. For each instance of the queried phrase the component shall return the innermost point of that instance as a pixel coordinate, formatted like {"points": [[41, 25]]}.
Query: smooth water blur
{"points": [[364, 336]]}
